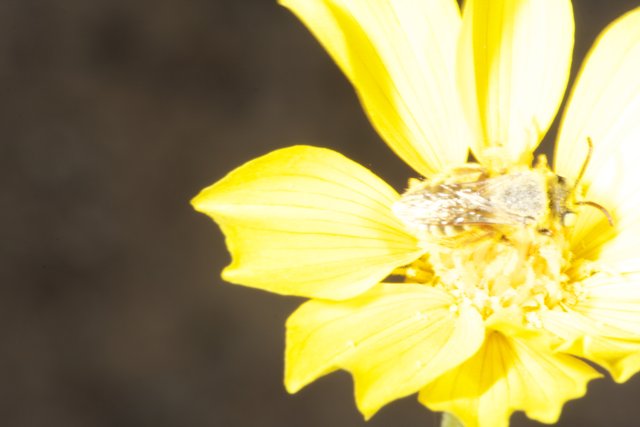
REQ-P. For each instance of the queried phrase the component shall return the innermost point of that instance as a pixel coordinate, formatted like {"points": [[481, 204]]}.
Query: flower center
{"points": [[493, 242]]}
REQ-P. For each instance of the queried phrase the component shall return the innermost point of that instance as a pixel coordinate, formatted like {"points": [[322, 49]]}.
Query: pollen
{"points": [[517, 274]]}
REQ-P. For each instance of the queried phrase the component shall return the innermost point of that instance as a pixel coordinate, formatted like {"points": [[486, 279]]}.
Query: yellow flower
{"points": [[496, 317]]}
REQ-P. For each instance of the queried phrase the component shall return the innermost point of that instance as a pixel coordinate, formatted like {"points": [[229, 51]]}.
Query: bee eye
{"points": [[569, 219]]}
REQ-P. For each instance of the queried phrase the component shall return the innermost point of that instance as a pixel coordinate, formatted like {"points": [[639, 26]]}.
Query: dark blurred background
{"points": [[114, 113]]}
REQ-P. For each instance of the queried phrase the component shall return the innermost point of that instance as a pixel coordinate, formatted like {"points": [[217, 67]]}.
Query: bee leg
{"points": [[545, 232], [478, 233], [471, 172]]}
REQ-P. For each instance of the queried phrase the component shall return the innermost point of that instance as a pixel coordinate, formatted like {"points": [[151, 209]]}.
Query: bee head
{"points": [[559, 204], [559, 191]]}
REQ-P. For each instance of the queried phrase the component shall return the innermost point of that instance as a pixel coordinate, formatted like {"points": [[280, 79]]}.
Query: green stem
{"points": [[449, 420]]}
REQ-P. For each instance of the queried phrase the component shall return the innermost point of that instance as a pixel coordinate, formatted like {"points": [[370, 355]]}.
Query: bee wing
{"points": [[515, 199], [479, 203], [484, 202]]}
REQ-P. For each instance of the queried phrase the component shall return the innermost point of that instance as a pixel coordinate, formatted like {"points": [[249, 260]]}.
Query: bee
{"points": [[472, 201]]}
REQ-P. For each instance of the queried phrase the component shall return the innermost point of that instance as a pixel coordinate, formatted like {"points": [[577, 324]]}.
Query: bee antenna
{"points": [[601, 208], [585, 163]]}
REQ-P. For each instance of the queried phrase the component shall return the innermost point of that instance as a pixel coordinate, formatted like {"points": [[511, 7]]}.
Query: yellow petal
{"points": [[518, 53], [615, 350], [612, 300], [307, 221], [508, 375], [394, 339], [605, 106], [613, 248], [400, 56], [604, 326]]}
